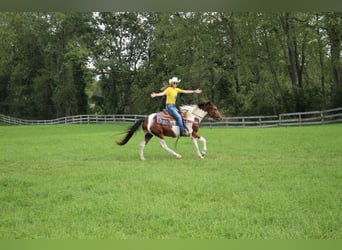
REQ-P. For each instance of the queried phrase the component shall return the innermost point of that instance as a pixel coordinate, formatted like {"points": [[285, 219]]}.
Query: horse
{"points": [[162, 124]]}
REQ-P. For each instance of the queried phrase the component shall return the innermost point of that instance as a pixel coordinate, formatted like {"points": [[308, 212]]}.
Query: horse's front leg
{"points": [[195, 142], [204, 141]]}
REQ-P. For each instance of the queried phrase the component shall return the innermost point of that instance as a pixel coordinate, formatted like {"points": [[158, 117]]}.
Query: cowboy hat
{"points": [[174, 79]]}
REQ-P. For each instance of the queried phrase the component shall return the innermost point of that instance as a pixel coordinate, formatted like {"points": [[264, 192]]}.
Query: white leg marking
{"points": [[164, 146], [194, 141], [142, 146], [204, 141]]}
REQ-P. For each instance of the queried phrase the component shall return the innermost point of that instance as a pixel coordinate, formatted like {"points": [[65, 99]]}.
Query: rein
{"points": [[191, 121]]}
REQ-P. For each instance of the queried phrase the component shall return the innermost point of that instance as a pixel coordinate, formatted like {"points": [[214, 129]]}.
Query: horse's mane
{"points": [[202, 104], [194, 110], [188, 106], [194, 106]]}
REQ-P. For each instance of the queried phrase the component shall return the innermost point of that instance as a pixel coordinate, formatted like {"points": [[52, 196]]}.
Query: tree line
{"points": [[247, 63]]}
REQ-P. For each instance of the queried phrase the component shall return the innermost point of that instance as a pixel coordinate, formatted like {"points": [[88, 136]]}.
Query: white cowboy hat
{"points": [[174, 79]]}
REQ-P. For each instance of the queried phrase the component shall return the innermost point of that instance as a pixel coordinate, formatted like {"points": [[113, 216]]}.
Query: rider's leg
{"points": [[174, 112]]}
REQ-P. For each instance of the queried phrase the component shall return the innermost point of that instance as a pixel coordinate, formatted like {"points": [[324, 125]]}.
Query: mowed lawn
{"points": [[74, 182]]}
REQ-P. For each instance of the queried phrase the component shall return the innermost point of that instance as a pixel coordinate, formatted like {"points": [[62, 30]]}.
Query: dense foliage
{"points": [[56, 64]]}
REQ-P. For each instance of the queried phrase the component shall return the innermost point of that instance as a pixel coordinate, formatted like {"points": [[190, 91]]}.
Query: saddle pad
{"points": [[164, 121]]}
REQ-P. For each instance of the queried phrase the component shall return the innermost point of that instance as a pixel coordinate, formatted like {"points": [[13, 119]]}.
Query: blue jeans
{"points": [[172, 109]]}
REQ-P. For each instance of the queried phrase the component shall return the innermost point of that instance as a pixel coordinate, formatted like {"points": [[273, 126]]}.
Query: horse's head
{"points": [[211, 109]]}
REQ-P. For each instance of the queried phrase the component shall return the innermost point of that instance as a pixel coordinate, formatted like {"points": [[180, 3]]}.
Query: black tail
{"points": [[130, 132]]}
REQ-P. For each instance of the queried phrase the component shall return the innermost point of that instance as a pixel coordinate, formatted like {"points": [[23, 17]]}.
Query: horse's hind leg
{"points": [[142, 145], [164, 146]]}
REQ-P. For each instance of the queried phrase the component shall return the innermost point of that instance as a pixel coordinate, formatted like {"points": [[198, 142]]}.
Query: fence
{"points": [[287, 119], [76, 119]]}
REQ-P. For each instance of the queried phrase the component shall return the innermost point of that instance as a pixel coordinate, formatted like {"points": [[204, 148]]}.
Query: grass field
{"points": [[74, 182]]}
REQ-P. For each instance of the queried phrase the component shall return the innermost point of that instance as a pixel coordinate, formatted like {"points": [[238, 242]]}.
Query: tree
{"points": [[248, 63], [67, 58], [333, 25], [44, 59], [21, 60], [121, 47]]}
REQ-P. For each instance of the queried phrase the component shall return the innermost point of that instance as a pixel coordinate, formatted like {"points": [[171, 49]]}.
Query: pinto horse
{"points": [[162, 124]]}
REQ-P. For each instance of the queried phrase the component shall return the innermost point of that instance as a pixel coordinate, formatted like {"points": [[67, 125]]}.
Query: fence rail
{"points": [[76, 119], [286, 119]]}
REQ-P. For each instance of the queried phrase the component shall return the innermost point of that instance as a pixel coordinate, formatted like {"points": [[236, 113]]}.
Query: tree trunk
{"points": [[291, 48], [321, 63], [295, 68]]}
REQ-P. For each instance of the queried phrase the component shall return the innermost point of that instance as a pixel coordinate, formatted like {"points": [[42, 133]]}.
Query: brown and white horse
{"points": [[161, 124]]}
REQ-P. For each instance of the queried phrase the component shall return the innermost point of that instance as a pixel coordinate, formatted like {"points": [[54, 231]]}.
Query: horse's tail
{"points": [[130, 132]]}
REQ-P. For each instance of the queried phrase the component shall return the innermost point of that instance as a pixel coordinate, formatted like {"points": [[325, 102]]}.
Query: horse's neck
{"points": [[193, 112]]}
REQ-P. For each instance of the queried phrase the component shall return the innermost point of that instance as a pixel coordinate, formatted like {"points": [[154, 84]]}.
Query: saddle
{"points": [[165, 118]]}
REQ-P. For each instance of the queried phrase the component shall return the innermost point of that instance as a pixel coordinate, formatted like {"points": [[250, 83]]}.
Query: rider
{"points": [[171, 95]]}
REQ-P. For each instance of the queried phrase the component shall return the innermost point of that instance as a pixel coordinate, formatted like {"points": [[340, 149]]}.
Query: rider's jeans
{"points": [[172, 109]]}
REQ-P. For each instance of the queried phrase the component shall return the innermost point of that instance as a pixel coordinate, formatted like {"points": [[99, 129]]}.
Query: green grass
{"points": [[74, 182]]}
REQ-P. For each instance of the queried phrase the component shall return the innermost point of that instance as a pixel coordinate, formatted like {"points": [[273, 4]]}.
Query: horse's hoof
{"points": [[178, 156], [143, 159]]}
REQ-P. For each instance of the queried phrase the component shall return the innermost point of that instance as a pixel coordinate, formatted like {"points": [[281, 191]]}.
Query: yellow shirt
{"points": [[171, 94]]}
